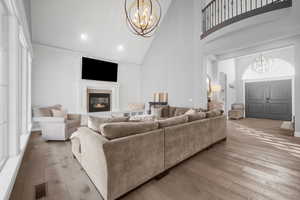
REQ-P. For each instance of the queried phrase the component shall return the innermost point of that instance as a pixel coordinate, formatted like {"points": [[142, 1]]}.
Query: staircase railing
{"points": [[220, 13]]}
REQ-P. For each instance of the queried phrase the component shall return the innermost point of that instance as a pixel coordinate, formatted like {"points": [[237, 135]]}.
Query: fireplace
{"points": [[99, 101]]}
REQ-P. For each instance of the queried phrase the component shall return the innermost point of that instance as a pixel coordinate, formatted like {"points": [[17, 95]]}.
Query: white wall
{"points": [[170, 64], [228, 67], [56, 77]]}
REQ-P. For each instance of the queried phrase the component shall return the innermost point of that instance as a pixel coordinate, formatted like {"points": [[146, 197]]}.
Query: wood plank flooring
{"points": [[256, 162]]}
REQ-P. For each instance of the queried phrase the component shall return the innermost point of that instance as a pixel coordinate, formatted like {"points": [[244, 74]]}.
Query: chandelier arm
{"points": [[159, 19], [129, 22]]}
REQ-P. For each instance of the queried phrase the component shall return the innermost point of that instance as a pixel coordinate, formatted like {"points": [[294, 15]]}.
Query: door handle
{"points": [[268, 100]]}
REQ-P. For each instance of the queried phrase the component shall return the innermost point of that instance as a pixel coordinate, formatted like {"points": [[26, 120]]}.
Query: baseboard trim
{"points": [[297, 134]]}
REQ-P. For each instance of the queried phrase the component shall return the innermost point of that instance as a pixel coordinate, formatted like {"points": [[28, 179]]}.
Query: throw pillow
{"points": [[190, 112], [197, 116], [59, 113], [180, 111], [142, 118], [94, 123], [157, 112]]}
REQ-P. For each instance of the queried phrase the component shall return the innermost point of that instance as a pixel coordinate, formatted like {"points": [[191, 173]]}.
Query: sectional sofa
{"points": [[120, 156]]}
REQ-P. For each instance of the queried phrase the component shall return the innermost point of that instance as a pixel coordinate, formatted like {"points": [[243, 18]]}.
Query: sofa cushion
{"points": [[123, 129], [141, 118], [94, 123], [197, 116], [173, 121], [181, 111], [213, 113]]}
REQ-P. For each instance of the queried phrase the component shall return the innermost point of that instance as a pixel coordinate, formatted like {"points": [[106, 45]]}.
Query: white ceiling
{"points": [[60, 23]]}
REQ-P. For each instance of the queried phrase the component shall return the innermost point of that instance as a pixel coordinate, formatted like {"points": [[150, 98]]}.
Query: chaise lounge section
{"points": [[127, 154]]}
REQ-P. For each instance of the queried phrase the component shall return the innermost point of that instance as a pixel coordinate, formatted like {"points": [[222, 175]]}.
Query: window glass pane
{"points": [[3, 87]]}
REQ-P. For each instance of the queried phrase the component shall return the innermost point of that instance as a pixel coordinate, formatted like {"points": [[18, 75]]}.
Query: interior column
{"points": [[297, 87]]}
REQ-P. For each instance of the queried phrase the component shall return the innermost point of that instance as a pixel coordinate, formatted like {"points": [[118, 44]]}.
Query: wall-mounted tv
{"points": [[99, 70]]}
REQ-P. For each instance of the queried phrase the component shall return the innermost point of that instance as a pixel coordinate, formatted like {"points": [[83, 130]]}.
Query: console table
{"points": [[156, 104]]}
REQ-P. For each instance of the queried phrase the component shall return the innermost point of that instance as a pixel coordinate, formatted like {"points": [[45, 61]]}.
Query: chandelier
{"points": [[143, 16], [262, 64]]}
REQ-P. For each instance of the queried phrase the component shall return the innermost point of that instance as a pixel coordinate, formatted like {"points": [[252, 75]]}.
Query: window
{"points": [[3, 90]]}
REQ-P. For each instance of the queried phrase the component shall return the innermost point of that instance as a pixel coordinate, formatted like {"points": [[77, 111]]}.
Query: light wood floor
{"points": [[254, 163]]}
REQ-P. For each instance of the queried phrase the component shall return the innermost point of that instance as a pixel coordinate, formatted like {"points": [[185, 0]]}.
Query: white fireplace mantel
{"points": [[98, 85]]}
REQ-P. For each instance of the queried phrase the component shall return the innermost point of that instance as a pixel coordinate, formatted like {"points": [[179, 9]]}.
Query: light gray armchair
{"points": [[237, 111], [55, 128]]}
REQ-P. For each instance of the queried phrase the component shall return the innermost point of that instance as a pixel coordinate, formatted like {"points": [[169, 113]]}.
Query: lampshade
{"points": [[216, 88]]}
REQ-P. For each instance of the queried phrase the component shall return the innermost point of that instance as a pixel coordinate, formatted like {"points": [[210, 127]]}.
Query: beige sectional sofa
{"points": [[127, 154]]}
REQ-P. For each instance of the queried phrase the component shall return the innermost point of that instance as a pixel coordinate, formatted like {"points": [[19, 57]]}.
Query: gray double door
{"points": [[269, 100]]}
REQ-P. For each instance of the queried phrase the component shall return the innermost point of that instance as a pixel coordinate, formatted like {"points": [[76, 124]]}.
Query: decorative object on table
{"points": [[143, 16], [237, 111], [160, 99]]}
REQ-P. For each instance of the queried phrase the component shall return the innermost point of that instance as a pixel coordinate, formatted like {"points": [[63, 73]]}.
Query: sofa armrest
{"points": [[92, 157], [133, 160], [49, 119]]}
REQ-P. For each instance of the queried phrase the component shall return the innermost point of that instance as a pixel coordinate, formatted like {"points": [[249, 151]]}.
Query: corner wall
{"points": [[56, 76], [173, 62]]}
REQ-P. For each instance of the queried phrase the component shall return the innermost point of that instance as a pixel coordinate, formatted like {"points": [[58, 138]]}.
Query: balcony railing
{"points": [[220, 13]]}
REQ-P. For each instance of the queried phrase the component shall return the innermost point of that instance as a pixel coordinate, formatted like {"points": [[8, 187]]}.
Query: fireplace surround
{"points": [[95, 88]]}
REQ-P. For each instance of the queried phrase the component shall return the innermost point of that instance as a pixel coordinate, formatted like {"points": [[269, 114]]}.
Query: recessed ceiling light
{"points": [[84, 37], [120, 48]]}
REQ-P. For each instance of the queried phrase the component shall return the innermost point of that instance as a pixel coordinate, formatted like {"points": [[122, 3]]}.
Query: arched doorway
{"points": [[268, 89]]}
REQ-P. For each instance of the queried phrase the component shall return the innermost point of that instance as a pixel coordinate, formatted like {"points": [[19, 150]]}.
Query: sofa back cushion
{"points": [[165, 111], [173, 121], [196, 116], [123, 129], [94, 123]]}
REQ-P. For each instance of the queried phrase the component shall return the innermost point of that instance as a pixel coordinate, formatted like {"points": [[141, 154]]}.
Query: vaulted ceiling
{"points": [[101, 23]]}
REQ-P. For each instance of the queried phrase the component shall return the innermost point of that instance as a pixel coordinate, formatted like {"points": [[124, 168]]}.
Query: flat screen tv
{"points": [[99, 70]]}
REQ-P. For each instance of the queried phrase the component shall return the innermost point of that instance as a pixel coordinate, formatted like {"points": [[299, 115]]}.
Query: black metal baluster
{"points": [[224, 10], [228, 9], [215, 12], [241, 6], [221, 11], [231, 8]]}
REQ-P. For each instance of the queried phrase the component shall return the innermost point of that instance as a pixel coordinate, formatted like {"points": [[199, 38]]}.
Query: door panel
{"points": [[270, 100]]}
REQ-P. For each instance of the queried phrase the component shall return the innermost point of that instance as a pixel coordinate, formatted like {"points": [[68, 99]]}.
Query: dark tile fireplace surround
{"points": [[99, 101]]}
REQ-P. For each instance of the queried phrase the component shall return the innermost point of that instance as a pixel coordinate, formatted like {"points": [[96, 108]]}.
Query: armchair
{"points": [[237, 111], [57, 128]]}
